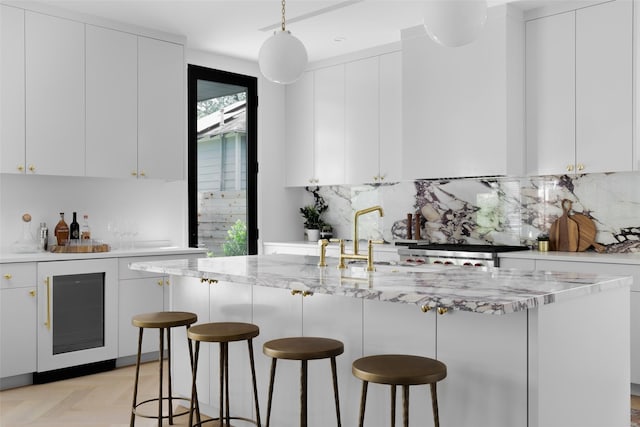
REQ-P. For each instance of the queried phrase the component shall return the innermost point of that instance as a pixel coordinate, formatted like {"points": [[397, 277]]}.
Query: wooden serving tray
{"points": [[101, 247]]}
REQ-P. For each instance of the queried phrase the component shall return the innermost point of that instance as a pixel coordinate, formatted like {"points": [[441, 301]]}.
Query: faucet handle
{"points": [[323, 252]]}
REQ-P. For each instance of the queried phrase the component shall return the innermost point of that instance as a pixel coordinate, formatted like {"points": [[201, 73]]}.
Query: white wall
{"points": [[278, 216], [158, 207]]}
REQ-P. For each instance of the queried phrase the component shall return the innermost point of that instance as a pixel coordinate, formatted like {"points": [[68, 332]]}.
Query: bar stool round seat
{"points": [[399, 370], [222, 333], [162, 320], [304, 349]]}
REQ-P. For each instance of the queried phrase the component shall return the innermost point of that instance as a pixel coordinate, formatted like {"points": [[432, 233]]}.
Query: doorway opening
{"points": [[223, 161]]}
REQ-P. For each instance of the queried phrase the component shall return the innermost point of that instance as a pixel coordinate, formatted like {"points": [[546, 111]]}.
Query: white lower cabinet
{"points": [[397, 328], [635, 337], [487, 372], [279, 315], [229, 302], [139, 292], [339, 318], [137, 296], [18, 306], [619, 270]]}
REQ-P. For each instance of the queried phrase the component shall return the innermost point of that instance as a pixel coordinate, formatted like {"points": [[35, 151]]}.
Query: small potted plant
{"points": [[312, 222], [312, 215]]}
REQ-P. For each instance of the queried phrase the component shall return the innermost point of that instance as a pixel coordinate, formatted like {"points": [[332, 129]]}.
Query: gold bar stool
{"points": [[303, 349], [395, 370], [223, 333], [163, 320]]}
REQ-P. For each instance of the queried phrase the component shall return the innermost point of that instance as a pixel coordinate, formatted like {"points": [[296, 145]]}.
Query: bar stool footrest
{"points": [[155, 399], [247, 420]]}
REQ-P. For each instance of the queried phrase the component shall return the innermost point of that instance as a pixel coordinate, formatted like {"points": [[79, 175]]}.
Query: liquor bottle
{"points": [[44, 237], [74, 228], [61, 231], [85, 231]]}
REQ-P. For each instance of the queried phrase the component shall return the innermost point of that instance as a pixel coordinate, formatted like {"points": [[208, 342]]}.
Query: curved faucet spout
{"points": [[355, 224]]}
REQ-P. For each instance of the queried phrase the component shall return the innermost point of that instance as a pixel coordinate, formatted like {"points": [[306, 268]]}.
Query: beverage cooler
{"points": [[77, 313]]}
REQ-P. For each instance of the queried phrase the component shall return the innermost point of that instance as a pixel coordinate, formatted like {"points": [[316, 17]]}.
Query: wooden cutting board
{"points": [[564, 234], [587, 230]]}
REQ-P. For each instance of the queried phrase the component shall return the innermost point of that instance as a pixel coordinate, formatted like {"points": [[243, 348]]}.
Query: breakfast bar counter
{"points": [[522, 348]]}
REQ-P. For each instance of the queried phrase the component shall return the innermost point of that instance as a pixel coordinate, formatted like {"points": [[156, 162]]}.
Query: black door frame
{"points": [[195, 73]]}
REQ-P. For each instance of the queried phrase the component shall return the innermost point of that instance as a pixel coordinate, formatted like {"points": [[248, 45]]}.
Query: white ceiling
{"points": [[238, 28]]}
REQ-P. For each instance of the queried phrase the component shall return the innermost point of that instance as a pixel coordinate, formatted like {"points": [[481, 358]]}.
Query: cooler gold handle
{"points": [[48, 322]]}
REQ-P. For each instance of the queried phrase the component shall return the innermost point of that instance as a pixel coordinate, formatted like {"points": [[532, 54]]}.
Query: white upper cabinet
{"points": [[550, 94], [329, 124], [54, 50], [390, 117], [579, 91], [161, 109], [463, 107], [300, 169], [12, 122], [112, 103], [362, 99], [344, 123], [604, 88]]}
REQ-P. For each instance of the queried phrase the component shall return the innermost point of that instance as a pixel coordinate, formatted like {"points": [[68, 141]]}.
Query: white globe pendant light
{"points": [[455, 23], [282, 57]]}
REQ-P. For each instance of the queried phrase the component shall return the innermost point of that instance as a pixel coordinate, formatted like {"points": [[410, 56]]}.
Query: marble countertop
{"points": [[119, 253], [494, 291], [587, 256]]}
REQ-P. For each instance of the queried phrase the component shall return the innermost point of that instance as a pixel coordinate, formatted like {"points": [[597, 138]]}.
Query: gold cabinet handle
{"points": [[295, 292], [8, 276], [21, 168], [48, 322], [167, 282], [307, 293], [209, 281], [425, 308], [143, 173], [32, 168], [134, 173], [160, 282], [580, 166], [32, 293], [569, 168], [442, 310]]}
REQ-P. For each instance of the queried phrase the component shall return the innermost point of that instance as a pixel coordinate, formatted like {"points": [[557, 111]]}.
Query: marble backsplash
{"points": [[497, 211]]}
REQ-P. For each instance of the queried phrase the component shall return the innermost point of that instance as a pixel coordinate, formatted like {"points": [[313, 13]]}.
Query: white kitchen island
{"points": [[537, 349]]}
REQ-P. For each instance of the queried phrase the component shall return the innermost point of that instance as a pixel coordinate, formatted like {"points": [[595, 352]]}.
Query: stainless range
{"points": [[454, 254]]}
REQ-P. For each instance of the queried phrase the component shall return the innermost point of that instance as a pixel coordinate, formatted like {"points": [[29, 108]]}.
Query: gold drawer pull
{"points": [[295, 292], [32, 293], [442, 310], [160, 282], [8, 276], [425, 308], [307, 293]]}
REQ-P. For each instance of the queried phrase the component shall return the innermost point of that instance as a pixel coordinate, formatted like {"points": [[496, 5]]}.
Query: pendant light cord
{"points": [[283, 29]]}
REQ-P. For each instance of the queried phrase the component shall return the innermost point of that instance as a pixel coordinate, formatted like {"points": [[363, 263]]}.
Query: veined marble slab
{"points": [[496, 291]]}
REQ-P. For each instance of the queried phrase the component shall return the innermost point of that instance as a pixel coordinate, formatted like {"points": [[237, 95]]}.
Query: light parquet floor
{"points": [[100, 400]]}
